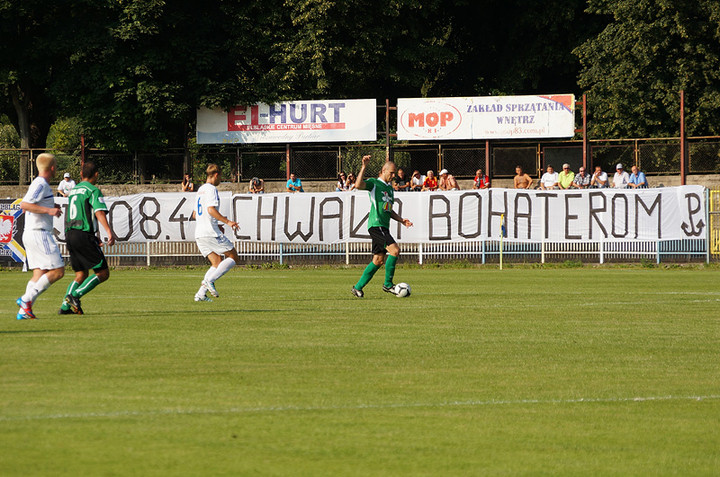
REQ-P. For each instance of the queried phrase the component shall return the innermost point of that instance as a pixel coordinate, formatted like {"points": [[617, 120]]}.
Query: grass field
{"points": [[555, 371]]}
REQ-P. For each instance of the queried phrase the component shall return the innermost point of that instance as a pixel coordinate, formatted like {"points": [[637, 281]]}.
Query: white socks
{"points": [[33, 289], [221, 269]]}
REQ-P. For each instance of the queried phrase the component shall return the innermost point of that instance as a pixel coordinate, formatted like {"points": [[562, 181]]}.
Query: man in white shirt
{"points": [[43, 254], [599, 179], [549, 180], [621, 178], [66, 185], [209, 235]]}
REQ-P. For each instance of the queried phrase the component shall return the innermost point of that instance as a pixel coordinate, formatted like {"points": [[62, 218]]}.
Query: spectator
{"points": [[430, 183], [621, 178], [549, 180], [637, 179], [582, 180], [481, 181], [447, 181], [522, 180], [566, 177], [294, 184], [341, 185], [187, 185], [65, 186], [401, 182], [350, 184], [257, 186], [416, 181], [599, 179]]}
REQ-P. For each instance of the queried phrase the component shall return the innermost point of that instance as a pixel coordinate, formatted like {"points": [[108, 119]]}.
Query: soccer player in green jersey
{"points": [[381, 202], [86, 207]]}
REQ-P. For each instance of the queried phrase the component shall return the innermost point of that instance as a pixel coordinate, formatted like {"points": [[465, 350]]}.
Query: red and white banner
{"points": [[290, 122], [489, 117]]}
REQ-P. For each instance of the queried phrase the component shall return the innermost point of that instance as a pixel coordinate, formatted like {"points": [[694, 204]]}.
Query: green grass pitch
{"points": [[554, 371]]}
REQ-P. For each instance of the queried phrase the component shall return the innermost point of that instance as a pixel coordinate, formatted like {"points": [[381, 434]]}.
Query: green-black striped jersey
{"points": [[83, 201], [381, 202]]}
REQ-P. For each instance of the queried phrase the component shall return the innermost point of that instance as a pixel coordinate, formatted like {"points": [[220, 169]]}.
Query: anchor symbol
{"points": [[690, 229]]}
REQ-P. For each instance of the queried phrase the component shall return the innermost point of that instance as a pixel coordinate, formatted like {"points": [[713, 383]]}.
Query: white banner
{"points": [[296, 121], [559, 216], [490, 117]]}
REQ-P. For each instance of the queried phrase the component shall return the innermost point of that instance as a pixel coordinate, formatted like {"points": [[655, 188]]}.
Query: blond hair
{"points": [[45, 161], [212, 169]]}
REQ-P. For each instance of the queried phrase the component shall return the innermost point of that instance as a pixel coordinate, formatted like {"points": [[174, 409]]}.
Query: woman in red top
{"points": [[430, 182]]}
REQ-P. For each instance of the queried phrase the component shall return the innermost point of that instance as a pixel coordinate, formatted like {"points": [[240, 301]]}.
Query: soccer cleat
{"points": [[62, 311], [202, 298], [390, 289], [211, 288], [74, 303], [25, 310], [357, 293]]}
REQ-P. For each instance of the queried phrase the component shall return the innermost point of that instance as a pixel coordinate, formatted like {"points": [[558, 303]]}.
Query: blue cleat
{"points": [[25, 310]]}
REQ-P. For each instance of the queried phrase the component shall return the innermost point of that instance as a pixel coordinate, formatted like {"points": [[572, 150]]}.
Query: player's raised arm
{"points": [[360, 181]]}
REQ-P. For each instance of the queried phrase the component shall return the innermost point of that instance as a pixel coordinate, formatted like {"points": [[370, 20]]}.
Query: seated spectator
{"points": [[599, 179], [430, 182], [341, 185], [416, 181], [400, 182], [521, 179], [582, 180], [566, 177], [447, 181], [621, 178], [257, 186], [65, 186], [637, 179], [294, 184], [481, 181], [187, 185], [350, 183], [549, 180]]}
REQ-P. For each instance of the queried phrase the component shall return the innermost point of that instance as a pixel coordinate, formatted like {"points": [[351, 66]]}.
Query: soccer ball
{"points": [[402, 290]]}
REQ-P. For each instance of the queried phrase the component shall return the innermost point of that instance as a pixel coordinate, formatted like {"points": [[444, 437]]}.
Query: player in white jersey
{"points": [[209, 235], [43, 254]]}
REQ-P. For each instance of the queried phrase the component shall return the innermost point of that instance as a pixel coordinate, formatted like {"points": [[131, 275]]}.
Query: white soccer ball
{"points": [[402, 290]]}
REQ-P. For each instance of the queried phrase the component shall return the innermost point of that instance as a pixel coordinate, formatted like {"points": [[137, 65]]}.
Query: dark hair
{"points": [[89, 169]]}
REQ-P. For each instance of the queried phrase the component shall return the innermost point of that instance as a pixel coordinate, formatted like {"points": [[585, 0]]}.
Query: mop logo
{"points": [[6, 228], [430, 119]]}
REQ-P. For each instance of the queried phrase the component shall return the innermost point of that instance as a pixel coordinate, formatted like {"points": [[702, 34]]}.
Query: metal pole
{"points": [[487, 160], [287, 161], [683, 152], [587, 161]]}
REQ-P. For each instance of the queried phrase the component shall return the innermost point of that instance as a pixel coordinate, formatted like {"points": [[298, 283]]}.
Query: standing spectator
{"points": [[481, 181], [341, 184], [257, 186], [41, 249], [86, 210], [566, 177], [621, 178], [582, 180], [401, 182], [416, 182], [187, 184], [599, 179], [383, 244], [521, 179], [430, 183], [294, 184], [65, 186], [637, 179], [209, 235], [549, 180]]}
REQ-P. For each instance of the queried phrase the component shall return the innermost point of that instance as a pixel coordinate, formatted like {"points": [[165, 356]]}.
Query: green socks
{"points": [[70, 289], [367, 275], [390, 270], [87, 286]]}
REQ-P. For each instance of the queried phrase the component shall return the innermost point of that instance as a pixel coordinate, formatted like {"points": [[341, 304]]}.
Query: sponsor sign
{"points": [[490, 117], [296, 121]]}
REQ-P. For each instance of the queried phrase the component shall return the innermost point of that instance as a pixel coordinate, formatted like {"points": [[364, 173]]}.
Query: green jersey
{"points": [[83, 201], [381, 202]]}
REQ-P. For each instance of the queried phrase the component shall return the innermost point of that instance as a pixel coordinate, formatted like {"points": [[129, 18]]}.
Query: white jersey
{"points": [[206, 225], [66, 186], [41, 194]]}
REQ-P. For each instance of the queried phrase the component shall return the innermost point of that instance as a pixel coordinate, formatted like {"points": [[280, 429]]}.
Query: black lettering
{"points": [[180, 218], [398, 210], [478, 219], [353, 228], [569, 217], [432, 216], [298, 230], [494, 213], [271, 217], [128, 221], [613, 205], [235, 216], [657, 203], [527, 215], [338, 216], [693, 229], [547, 196], [150, 218], [593, 213]]}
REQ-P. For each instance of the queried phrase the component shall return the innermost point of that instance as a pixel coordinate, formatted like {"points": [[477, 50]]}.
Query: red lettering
{"points": [[445, 117], [234, 116], [432, 119], [416, 120]]}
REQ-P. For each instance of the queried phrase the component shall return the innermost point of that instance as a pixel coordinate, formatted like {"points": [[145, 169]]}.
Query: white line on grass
{"points": [[357, 407]]}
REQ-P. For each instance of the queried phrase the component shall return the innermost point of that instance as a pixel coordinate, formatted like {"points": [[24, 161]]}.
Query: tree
{"points": [[634, 69]]}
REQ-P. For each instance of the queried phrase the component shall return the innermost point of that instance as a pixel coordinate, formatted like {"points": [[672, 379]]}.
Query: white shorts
{"points": [[42, 250], [218, 245]]}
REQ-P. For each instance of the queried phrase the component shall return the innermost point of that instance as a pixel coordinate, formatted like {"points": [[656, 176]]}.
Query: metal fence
{"points": [[654, 156]]}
